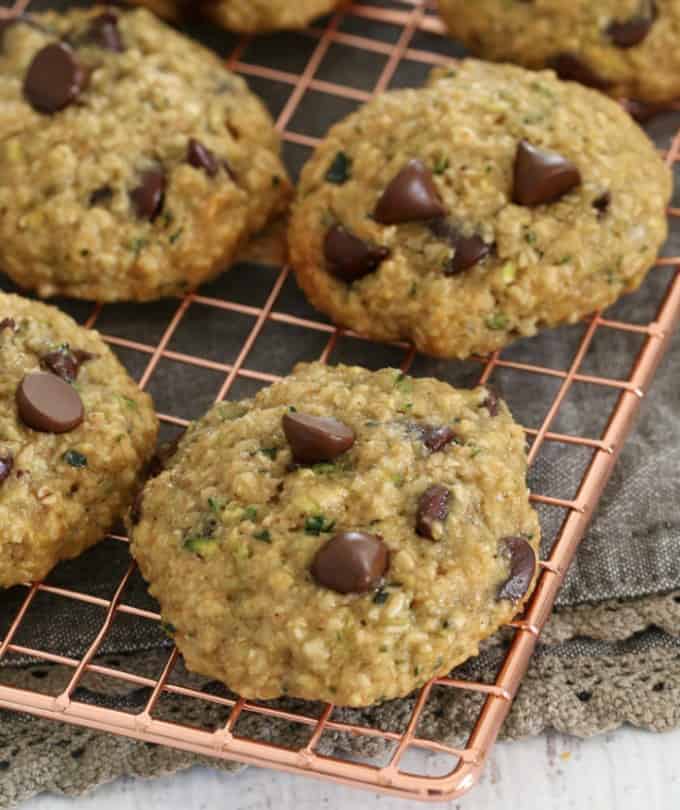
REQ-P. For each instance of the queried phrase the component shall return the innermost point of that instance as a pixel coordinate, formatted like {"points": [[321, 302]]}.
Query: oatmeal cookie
{"points": [[464, 215], [132, 163], [623, 47], [344, 536], [75, 435]]}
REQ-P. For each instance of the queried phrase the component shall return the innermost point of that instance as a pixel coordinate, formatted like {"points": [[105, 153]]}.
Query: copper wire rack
{"points": [[390, 35]]}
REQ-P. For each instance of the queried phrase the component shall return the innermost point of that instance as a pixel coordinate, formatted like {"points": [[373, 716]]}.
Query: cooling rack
{"points": [[384, 37]]}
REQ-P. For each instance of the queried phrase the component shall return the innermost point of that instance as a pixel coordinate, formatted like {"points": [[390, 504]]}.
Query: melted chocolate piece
{"points": [[601, 203], [522, 568], [66, 363], [48, 404], [200, 157], [149, 195], [54, 78], [104, 32], [351, 562], [541, 176], [350, 258], [628, 33], [411, 196], [314, 439], [433, 509], [469, 250]]}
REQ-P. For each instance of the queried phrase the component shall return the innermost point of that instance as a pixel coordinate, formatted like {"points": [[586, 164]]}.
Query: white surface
{"points": [[625, 770]]}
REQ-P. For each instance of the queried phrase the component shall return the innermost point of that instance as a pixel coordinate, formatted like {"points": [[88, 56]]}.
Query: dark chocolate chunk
{"points": [[200, 157], [8, 323], [436, 437], [54, 78], [101, 196], [66, 363], [601, 203], [469, 250], [433, 508], [570, 68], [411, 196], [149, 195], [6, 464], [48, 404], [104, 32], [542, 176], [350, 258], [522, 568], [314, 439], [351, 562], [631, 32]]}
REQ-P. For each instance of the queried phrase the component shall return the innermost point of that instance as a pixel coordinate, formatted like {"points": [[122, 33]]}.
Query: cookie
{"points": [[344, 536], [75, 435], [492, 203], [623, 47], [132, 164], [248, 16]]}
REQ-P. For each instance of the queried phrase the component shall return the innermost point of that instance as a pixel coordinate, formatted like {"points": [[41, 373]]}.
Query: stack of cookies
{"points": [[346, 535]]}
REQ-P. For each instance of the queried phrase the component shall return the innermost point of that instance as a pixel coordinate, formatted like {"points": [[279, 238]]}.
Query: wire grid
{"points": [[396, 776]]}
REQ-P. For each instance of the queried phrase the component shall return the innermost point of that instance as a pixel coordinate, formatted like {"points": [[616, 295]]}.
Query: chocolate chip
{"points": [[570, 68], [436, 438], [314, 439], [6, 464], [8, 323], [631, 32], [492, 401], [542, 176], [54, 79], [433, 509], [350, 258], [522, 568], [66, 363], [351, 562], [200, 157], [48, 404], [101, 196], [601, 203], [411, 196], [149, 195], [469, 250], [104, 32]]}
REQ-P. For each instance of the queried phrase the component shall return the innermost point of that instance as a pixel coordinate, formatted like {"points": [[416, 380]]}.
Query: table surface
{"points": [[624, 770]]}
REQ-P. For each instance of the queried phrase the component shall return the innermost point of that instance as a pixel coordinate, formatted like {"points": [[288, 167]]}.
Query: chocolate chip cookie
{"points": [[248, 16], [75, 435], [623, 47], [492, 203], [344, 536], [132, 164]]}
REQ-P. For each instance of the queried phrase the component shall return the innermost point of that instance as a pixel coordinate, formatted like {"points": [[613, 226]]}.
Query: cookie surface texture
{"points": [[344, 536]]}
